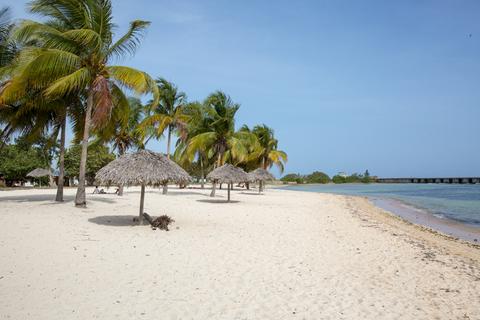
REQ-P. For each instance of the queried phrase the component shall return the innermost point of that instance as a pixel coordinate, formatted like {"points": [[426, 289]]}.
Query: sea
{"points": [[453, 209]]}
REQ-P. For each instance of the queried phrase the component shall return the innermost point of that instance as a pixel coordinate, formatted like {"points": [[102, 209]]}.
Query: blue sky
{"points": [[389, 86]]}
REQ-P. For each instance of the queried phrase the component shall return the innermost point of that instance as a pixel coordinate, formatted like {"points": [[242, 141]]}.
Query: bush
{"points": [[317, 177], [293, 177], [339, 179]]}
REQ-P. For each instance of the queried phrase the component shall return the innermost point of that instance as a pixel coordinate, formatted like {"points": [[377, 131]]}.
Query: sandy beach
{"points": [[282, 255]]}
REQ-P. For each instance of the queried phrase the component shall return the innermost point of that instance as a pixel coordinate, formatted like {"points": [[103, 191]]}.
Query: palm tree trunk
{"points": [[121, 152], [169, 139], [80, 200], [61, 161], [202, 173], [228, 192], [214, 186]]}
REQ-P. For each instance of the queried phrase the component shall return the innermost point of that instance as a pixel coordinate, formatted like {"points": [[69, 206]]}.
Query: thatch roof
{"points": [[142, 167], [260, 175], [39, 172], [228, 174]]}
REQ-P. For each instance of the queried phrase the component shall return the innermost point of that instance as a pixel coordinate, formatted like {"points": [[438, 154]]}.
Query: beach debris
{"points": [[161, 222]]}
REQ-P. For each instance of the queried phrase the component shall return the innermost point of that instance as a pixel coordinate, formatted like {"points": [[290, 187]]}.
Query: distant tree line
{"points": [[19, 158], [321, 177]]}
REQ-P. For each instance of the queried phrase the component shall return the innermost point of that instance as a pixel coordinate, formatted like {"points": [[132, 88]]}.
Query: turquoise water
{"points": [[460, 202]]}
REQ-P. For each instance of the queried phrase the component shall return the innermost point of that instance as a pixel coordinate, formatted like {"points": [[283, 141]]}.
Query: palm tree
{"points": [[77, 61], [198, 123], [168, 115], [220, 140], [269, 154], [122, 130], [265, 155]]}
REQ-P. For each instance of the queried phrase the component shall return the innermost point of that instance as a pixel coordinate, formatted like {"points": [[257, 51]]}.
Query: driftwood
{"points": [[161, 222]]}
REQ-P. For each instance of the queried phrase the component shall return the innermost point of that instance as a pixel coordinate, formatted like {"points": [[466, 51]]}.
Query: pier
{"points": [[452, 180]]}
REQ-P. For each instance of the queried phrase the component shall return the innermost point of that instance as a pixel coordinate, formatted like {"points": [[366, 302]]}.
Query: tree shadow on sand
{"points": [[115, 221], [217, 201], [49, 197], [35, 198]]}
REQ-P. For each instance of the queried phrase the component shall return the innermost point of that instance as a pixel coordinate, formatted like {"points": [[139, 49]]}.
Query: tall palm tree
{"points": [[220, 140], [198, 122], [122, 129], [267, 154], [167, 115], [77, 61]]}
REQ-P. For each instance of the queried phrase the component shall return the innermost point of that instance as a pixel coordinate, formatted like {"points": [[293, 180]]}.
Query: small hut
{"points": [[226, 174], [260, 175], [142, 168], [38, 173]]}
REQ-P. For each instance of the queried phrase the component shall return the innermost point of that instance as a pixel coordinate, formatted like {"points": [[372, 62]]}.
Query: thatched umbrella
{"points": [[142, 168], [38, 173], [260, 175], [227, 174]]}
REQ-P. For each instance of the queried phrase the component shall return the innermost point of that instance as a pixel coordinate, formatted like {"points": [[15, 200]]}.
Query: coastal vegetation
{"points": [[57, 77], [321, 177]]}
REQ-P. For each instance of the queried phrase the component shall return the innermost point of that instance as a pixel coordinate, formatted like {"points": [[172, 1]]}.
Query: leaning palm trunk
{"points": [[80, 200], [61, 162]]}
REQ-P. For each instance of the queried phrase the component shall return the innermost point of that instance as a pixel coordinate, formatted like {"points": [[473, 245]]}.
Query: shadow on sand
{"points": [[49, 197], [252, 193], [217, 201], [115, 221], [172, 193]]}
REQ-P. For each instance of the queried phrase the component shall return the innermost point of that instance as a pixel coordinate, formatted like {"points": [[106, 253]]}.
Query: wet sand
{"points": [[427, 219]]}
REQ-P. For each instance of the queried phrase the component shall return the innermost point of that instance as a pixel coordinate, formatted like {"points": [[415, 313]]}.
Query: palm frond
{"points": [[129, 42]]}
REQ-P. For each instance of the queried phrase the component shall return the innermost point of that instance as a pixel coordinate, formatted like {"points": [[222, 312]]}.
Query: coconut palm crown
{"points": [[220, 139]]}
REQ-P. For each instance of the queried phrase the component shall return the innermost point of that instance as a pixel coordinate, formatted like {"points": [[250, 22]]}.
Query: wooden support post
{"points": [[142, 199]]}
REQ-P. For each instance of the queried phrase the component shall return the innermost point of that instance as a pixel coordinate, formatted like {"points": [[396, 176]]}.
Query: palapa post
{"points": [[227, 174], [144, 168]]}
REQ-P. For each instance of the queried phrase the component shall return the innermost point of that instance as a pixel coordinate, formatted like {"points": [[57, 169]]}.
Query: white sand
{"points": [[284, 255]]}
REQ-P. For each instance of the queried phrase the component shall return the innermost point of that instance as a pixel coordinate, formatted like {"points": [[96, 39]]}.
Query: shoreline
{"points": [[424, 218], [421, 216]]}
